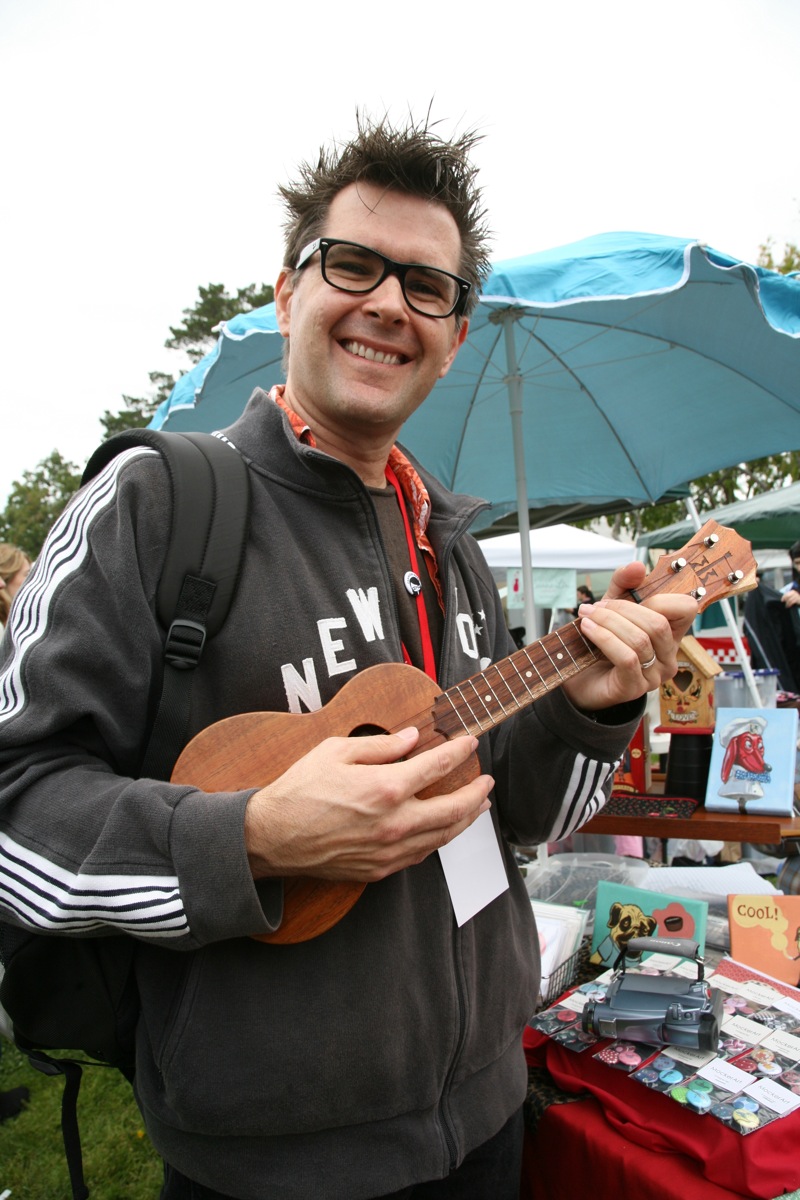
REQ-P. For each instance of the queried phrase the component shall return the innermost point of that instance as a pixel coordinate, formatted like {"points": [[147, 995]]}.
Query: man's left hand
{"points": [[639, 642]]}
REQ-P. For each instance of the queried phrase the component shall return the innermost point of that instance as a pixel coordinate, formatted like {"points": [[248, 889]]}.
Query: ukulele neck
{"points": [[484, 700]]}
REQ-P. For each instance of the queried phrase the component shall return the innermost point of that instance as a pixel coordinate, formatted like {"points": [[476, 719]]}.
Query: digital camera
{"points": [[662, 1009]]}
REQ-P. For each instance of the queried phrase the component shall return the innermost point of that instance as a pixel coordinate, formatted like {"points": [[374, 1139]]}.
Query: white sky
{"points": [[142, 143]]}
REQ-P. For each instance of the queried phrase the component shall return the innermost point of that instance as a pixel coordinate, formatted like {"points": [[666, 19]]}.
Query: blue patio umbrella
{"points": [[612, 369]]}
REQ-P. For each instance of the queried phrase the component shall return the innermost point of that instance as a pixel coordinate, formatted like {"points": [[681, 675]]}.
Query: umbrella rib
{"points": [[604, 328], [479, 378], [533, 336]]}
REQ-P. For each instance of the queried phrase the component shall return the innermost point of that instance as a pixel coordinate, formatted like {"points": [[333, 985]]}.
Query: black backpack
{"points": [[79, 993]]}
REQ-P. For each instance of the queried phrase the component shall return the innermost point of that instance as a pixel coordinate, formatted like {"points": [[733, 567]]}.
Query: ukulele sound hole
{"points": [[366, 730]]}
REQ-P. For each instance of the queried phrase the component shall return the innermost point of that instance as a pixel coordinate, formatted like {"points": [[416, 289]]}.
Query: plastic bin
{"points": [[573, 878], [731, 690]]}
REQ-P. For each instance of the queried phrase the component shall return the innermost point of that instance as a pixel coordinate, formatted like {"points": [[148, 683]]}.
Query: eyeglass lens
{"points": [[358, 269]]}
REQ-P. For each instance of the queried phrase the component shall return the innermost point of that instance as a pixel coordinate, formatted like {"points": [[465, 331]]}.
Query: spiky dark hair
{"points": [[412, 159]]}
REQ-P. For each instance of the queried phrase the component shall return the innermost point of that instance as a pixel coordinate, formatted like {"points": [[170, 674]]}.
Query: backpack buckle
{"points": [[184, 645]]}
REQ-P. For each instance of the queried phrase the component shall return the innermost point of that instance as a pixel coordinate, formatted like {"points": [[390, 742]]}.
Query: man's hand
{"points": [[348, 810], [791, 598], [639, 642]]}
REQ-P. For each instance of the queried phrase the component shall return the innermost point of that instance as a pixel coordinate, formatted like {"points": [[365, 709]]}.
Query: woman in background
{"points": [[14, 568]]}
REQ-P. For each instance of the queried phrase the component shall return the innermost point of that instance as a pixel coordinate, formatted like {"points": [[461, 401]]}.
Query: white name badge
{"points": [[474, 868]]}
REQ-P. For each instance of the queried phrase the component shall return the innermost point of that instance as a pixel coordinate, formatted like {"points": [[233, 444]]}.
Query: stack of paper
{"points": [[561, 931]]}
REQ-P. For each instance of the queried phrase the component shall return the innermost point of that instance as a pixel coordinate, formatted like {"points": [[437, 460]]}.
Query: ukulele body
{"points": [[254, 749]]}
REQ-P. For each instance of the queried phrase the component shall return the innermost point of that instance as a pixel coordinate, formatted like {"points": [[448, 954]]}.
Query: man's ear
{"points": [[284, 290], [458, 340]]}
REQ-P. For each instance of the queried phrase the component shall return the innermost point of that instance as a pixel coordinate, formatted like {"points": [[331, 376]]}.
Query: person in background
{"points": [[14, 568], [790, 595], [584, 595], [772, 626]]}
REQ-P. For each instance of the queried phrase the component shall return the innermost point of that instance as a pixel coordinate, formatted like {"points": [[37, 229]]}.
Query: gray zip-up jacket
{"points": [[378, 1054]]}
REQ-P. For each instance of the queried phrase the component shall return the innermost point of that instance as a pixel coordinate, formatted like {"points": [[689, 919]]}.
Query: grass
{"points": [[119, 1162]]}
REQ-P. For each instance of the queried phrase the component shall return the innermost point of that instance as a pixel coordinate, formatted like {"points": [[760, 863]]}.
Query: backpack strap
{"points": [[72, 1071], [208, 529]]}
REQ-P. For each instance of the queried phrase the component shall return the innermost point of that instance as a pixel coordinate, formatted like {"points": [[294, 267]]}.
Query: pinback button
{"points": [[699, 1101], [608, 1055], [680, 1094], [745, 1102], [702, 1085], [745, 1118], [664, 1062], [647, 1075], [670, 1077], [747, 1064]]}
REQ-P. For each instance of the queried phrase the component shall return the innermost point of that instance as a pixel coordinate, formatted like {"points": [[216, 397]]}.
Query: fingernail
{"points": [[408, 734]]}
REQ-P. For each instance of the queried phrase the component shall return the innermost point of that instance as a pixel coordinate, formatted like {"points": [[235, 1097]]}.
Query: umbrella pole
{"points": [[730, 621], [513, 381]]}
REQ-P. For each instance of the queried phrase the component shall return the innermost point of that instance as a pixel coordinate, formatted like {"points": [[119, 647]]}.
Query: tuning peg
{"points": [[678, 564], [698, 593], [735, 576], [711, 540]]}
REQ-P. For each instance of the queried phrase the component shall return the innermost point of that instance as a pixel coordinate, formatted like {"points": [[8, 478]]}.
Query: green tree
{"points": [[789, 263], [40, 496], [195, 337], [137, 411], [201, 322], [36, 500]]}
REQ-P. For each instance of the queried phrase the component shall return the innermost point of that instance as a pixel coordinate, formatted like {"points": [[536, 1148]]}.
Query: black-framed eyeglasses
{"points": [[351, 267]]}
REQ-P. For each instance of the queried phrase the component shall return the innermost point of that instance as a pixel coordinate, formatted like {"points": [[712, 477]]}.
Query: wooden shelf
{"points": [[703, 825]]}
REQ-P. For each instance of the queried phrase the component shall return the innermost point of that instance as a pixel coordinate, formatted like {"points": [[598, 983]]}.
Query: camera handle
{"points": [[680, 947]]}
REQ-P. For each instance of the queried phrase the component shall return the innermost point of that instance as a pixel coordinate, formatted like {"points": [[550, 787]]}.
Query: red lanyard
{"points": [[428, 658]]}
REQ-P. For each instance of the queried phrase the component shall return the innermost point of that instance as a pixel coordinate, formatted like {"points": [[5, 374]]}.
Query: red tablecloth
{"points": [[628, 1141]]}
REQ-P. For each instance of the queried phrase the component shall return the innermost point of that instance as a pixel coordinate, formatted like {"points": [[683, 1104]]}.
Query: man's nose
{"points": [[387, 300]]}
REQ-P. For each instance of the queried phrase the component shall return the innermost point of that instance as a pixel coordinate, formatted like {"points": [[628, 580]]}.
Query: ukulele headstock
{"points": [[715, 564]]}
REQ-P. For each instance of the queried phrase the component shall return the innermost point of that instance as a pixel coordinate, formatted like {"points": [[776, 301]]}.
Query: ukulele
{"points": [[253, 749]]}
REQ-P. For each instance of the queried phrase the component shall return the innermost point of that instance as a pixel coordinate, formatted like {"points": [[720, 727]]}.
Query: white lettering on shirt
{"points": [[301, 689], [367, 609], [332, 646], [466, 634]]}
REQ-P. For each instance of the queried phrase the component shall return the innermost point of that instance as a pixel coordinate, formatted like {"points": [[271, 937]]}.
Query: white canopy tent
{"points": [[559, 546]]}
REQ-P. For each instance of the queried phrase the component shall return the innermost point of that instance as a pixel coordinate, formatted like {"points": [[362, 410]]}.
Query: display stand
{"points": [[687, 761]]}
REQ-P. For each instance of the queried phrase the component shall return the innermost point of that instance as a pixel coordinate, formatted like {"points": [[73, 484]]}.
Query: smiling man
{"points": [[383, 1057]]}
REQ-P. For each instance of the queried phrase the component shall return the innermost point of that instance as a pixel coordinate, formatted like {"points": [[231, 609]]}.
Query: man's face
{"points": [[340, 392]]}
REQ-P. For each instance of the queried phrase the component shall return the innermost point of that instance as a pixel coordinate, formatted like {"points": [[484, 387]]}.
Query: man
{"points": [[382, 1057]]}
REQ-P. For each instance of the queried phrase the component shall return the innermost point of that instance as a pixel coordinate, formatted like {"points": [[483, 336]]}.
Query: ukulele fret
{"points": [[566, 647], [524, 654], [448, 696], [552, 661], [593, 652], [479, 727], [497, 668], [528, 689], [485, 699]]}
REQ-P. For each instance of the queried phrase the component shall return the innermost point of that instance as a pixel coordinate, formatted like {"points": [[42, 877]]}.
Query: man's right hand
{"points": [[349, 809]]}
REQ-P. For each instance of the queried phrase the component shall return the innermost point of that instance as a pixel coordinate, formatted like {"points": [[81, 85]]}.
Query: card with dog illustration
{"points": [[752, 768], [624, 912]]}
